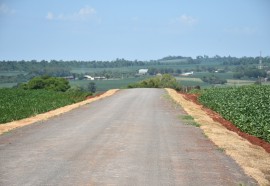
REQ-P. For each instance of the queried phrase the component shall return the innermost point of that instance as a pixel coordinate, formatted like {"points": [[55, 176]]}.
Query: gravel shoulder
{"points": [[136, 137]]}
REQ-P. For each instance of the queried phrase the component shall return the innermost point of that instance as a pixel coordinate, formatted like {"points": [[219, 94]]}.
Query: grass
{"points": [[221, 149], [187, 117], [167, 97], [189, 120]]}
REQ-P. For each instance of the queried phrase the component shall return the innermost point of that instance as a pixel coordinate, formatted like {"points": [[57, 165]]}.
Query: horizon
{"points": [[132, 60], [143, 31]]}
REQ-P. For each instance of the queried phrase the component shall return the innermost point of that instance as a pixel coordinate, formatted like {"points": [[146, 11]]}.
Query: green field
{"points": [[104, 85], [195, 79], [7, 85], [11, 73], [246, 106], [227, 75], [190, 81], [17, 104], [93, 70]]}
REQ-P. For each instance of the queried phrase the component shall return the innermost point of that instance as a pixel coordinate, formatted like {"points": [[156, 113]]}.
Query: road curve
{"points": [[132, 138]]}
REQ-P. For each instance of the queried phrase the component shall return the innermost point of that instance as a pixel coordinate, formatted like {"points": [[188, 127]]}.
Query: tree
{"points": [[91, 87], [48, 83], [164, 81]]}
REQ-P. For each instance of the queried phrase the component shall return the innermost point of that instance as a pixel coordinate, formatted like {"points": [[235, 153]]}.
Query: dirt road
{"points": [[132, 138]]}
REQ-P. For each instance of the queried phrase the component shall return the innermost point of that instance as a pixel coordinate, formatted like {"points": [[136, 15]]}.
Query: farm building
{"points": [[89, 77], [187, 74], [143, 71], [93, 78]]}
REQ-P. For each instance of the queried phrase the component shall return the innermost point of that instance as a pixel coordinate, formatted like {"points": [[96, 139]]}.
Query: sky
{"points": [[134, 30]]}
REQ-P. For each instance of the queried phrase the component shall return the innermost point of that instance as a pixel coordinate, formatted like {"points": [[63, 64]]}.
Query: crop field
{"points": [[94, 70], [17, 104], [246, 106], [11, 73], [227, 75], [190, 81], [104, 85], [235, 82]]}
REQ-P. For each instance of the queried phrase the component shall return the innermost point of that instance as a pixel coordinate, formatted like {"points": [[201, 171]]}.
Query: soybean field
{"points": [[246, 106]]}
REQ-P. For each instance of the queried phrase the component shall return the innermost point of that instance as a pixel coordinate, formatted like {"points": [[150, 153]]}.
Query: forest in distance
{"points": [[237, 68]]}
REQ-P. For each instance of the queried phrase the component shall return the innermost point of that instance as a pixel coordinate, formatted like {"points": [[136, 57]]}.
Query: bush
{"points": [[91, 87], [164, 81], [47, 83], [213, 80]]}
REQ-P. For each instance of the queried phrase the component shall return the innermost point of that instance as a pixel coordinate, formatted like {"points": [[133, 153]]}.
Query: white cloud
{"points": [[4, 9], [184, 20], [50, 16], [84, 13], [241, 30]]}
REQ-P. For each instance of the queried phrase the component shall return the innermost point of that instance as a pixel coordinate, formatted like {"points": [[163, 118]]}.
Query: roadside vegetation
{"points": [[189, 120], [164, 81], [246, 106]]}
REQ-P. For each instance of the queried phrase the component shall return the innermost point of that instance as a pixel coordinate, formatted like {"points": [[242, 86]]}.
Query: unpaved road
{"points": [[132, 138]]}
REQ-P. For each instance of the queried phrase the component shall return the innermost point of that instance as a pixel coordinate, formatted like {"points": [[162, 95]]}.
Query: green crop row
{"points": [[17, 104], [248, 107]]}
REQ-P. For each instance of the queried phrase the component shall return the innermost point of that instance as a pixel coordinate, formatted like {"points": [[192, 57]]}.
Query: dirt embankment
{"points": [[252, 158], [40, 117]]}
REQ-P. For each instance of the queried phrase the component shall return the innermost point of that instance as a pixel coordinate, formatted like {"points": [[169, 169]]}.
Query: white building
{"points": [[187, 74], [89, 77], [143, 71]]}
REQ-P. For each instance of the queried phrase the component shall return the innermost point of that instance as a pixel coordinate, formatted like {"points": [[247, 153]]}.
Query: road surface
{"points": [[135, 137]]}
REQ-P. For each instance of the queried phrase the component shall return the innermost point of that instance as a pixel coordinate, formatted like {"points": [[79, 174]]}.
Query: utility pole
{"points": [[260, 63], [260, 67]]}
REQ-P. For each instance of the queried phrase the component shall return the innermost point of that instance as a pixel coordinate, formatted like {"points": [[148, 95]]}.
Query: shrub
{"points": [[47, 83], [164, 81]]}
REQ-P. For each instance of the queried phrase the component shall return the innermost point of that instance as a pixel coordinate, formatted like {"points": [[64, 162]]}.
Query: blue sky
{"points": [[141, 29]]}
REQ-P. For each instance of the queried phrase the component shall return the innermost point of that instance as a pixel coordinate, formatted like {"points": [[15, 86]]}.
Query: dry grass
{"points": [[40, 117], [253, 159]]}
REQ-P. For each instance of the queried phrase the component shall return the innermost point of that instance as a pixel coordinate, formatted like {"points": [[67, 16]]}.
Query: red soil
{"points": [[96, 95], [230, 126]]}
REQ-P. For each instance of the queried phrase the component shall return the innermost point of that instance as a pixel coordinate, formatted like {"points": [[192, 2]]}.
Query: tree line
{"points": [[39, 66], [242, 67]]}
